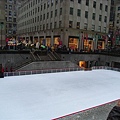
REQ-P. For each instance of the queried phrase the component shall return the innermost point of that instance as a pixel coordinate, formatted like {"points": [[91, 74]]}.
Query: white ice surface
{"points": [[47, 96]]}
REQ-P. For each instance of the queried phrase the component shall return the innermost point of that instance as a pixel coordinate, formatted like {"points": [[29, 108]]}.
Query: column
{"points": [[96, 41], [82, 40], [52, 38]]}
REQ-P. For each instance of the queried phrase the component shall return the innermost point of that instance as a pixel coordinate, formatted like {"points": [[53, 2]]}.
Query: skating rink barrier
{"points": [[95, 113], [18, 73]]}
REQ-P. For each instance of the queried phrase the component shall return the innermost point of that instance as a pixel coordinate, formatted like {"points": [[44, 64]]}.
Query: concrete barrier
{"points": [[96, 113]]}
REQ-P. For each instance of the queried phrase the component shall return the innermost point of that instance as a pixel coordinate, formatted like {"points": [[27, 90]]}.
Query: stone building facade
{"points": [[2, 23], [78, 24]]}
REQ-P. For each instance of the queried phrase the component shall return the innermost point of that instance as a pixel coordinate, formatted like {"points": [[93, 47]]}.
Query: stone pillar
{"points": [[106, 42], [81, 40], [52, 38], [66, 38], [96, 41]]}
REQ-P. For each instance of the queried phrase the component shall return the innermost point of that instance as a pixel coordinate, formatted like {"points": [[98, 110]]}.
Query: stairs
{"points": [[54, 56]]}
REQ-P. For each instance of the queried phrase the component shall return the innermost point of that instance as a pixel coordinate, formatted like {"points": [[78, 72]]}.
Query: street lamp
{"points": [[1, 26]]}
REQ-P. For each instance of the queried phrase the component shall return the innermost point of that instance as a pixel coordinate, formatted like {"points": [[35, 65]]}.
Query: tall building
{"points": [[78, 24], [114, 22], [10, 14], [117, 22], [2, 23]]}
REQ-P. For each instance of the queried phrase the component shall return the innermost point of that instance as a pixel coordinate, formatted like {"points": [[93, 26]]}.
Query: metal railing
{"points": [[42, 71], [18, 73]]}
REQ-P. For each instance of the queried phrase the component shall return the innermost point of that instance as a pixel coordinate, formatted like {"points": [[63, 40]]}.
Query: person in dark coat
{"points": [[115, 112]]}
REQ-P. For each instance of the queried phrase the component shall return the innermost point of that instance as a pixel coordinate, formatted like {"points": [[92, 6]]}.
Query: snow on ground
{"points": [[47, 96]]}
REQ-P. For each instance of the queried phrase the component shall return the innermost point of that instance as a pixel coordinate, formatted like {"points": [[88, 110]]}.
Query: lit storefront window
{"points": [[88, 45], [73, 43], [48, 39], [101, 44], [57, 40]]}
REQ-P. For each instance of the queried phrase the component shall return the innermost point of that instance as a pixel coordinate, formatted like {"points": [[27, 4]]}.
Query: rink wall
{"points": [[95, 113]]}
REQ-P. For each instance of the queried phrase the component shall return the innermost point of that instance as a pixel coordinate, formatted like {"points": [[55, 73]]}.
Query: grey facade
{"points": [[67, 21], [2, 23]]}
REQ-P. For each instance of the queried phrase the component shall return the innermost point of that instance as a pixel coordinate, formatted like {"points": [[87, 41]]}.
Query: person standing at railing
{"points": [[6, 70], [11, 69], [2, 73], [115, 112]]}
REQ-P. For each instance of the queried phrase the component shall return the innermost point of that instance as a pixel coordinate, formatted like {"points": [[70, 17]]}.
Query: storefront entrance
{"points": [[73, 43]]}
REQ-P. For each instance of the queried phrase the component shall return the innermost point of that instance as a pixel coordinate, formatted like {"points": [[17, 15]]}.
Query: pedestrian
{"points": [[115, 112], [11, 69], [6, 69]]}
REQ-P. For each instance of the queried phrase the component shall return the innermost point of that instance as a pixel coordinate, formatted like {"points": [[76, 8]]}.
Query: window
{"points": [[86, 14], [105, 19], [50, 25], [79, 1], [38, 9], [55, 12], [51, 2], [99, 28], [47, 15], [78, 12], [106, 8], [10, 7], [87, 2], [60, 24], [47, 26], [14, 19], [10, 12], [119, 8], [93, 16], [51, 14], [85, 26], [56, 2], [60, 11], [41, 7], [55, 24], [78, 25], [104, 29], [40, 17], [93, 27], [71, 11], [100, 6], [94, 4], [44, 6], [100, 17], [44, 17], [70, 24], [117, 21], [48, 4], [43, 26]]}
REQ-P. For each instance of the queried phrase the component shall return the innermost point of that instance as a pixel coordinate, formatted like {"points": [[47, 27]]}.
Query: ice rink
{"points": [[51, 95]]}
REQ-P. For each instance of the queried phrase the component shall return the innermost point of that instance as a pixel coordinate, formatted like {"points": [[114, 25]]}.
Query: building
{"points": [[10, 14], [2, 23], [114, 23], [117, 23], [78, 24]]}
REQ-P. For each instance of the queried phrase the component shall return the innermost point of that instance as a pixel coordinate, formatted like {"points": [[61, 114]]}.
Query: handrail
{"points": [[39, 57], [42, 71], [49, 54], [53, 55], [57, 55], [33, 56]]}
